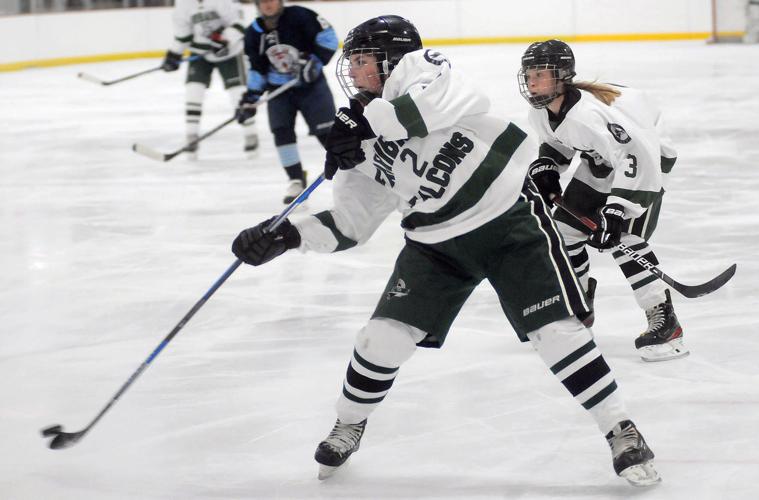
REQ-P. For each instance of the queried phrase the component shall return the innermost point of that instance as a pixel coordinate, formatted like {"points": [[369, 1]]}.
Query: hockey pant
{"points": [[647, 288], [194, 95], [566, 347]]}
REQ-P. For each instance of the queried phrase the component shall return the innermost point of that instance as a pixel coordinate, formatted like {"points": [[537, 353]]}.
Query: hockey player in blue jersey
{"points": [[283, 43]]}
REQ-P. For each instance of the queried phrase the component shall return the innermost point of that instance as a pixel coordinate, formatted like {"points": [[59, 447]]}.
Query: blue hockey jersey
{"points": [[275, 54]]}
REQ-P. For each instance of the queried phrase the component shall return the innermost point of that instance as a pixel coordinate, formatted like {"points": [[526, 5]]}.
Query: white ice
{"points": [[102, 252]]}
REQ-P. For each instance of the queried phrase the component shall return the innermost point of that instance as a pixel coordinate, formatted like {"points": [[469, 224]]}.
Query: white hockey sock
{"points": [[194, 94], [647, 288], [568, 349], [381, 347]]}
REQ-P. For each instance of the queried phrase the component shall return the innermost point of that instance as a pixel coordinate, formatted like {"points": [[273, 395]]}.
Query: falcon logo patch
{"points": [[619, 133], [399, 290]]}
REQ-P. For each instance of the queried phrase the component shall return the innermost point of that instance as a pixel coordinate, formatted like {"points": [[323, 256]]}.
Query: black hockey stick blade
{"points": [[61, 439], [705, 288], [152, 153], [90, 78]]}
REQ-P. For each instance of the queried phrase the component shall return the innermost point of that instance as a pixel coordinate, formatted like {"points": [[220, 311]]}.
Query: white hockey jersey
{"points": [[626, 153], [195, 21], [439, 159]]}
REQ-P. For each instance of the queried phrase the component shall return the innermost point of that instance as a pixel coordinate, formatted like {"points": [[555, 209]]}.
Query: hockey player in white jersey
{"points": [[425, 145], [624, 159], [213, 30]]}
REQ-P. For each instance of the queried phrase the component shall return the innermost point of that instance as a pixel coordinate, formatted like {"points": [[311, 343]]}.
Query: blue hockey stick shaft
{"points": [[63, 439]]}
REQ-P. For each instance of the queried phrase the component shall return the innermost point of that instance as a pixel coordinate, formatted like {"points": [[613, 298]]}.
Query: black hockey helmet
{"points": [[553, 55], [387, 38]]}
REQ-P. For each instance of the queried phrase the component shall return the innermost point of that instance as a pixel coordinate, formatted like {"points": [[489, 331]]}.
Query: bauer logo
{"points": [[399, 290], [619, 133], [540, 305], [346, 119]]}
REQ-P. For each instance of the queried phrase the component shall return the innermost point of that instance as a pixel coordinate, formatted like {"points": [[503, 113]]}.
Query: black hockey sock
{"points": [[295, 172]]}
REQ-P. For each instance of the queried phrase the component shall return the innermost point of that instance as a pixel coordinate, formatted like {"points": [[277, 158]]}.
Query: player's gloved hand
{"points": [[219, 44], [256, 246], [310, 69], [344, 140], [610, 220], [246, 109], [544, 172], [171, 61]]}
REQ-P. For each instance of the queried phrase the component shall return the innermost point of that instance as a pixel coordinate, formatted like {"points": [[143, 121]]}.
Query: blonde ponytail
{"points": [[601, 91]]}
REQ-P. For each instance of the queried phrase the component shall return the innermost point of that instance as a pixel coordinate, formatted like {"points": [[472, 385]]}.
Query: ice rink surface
{"points": [[103, 251]]}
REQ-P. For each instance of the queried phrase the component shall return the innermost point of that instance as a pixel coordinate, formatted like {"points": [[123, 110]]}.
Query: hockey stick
{"points": [[157, 155], [689, 291], [94, 79], [61, 439]]}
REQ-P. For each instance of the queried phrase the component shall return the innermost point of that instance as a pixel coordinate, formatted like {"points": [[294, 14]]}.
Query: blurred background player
{"points": [[213, 29], [284, 43], [426, 145], [625, 157]]}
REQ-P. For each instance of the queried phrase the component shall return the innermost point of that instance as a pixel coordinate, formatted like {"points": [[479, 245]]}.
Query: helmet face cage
{"points": [[541, 101], [343, 69], [551, 55]]}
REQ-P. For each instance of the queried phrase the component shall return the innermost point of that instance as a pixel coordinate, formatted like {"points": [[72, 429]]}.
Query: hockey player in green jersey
{"points": [[625, 157], [212, 30], [418, 138]]}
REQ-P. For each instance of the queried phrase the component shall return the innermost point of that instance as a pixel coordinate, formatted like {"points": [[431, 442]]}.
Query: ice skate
{"points": [[251, 146], [192, 151], [632, 458], [335, 450], [295, 187], [663, 340], [589, 318]]}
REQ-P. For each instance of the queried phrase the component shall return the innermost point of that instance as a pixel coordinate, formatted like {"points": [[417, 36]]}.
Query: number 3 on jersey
{"points": [[632, 167]]}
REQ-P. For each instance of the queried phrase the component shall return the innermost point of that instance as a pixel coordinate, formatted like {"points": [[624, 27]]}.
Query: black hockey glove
{"points": [[171, 61], [610, 220], [343, 142], [544, 172], [246, 109], [310, 69], [255, 246]]}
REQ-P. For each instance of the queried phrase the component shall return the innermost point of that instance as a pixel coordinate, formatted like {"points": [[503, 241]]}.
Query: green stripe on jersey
{"points": [[474, 188], [409, 116], [667, 164], [642, 198], [183, 39], [343, 242], [551, 152]]}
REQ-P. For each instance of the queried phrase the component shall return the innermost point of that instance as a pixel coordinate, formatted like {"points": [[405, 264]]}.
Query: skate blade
{"points": [[641, 475], [327, 471], [664, 352]]}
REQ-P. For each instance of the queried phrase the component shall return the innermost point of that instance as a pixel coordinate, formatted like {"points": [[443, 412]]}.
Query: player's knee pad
{"points": [[387, 342], [556, 340], [283, 136], [194, 92]]}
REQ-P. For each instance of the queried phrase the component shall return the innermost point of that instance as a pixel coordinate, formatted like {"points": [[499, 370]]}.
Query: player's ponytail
{"points": [[601, 91]]}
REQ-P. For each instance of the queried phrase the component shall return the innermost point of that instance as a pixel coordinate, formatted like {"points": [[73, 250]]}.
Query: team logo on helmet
{"points": [[619, 133]]}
